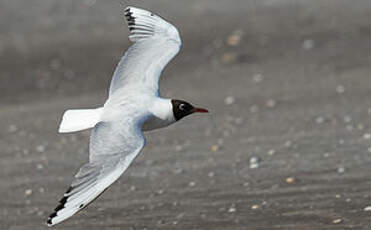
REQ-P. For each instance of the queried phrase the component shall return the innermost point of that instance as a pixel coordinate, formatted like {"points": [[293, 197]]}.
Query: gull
{"points": [[134, 105]]}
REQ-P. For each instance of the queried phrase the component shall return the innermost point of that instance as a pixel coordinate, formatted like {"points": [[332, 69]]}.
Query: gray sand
{"points": [[287, 145]]}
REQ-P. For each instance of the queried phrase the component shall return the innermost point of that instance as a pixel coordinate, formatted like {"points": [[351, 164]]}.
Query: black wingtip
{"points": [[49, 221]]}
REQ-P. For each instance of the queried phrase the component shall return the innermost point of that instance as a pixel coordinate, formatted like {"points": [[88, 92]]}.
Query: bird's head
{"points": [[182, 109]]}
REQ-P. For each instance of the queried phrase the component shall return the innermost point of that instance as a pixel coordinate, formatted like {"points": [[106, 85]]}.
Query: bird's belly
{"points": [[155, 123]]}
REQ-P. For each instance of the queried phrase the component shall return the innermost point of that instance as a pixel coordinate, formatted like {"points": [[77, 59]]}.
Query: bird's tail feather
{"points": [[80, 119]]}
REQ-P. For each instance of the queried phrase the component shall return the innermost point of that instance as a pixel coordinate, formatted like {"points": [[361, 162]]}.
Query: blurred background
{"points": [[287, 145]]}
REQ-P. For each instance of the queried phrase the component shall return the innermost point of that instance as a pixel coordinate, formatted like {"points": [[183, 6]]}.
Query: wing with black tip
{"points": [[156, 42]]}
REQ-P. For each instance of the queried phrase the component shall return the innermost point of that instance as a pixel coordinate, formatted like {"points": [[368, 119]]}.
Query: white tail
{"points": [[79, 119]]}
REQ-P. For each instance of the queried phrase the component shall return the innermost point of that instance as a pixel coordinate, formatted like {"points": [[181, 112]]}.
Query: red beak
{"points": [[200, 110]]}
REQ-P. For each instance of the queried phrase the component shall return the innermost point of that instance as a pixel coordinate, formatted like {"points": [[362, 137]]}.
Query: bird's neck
{"points": [[162, 108]]}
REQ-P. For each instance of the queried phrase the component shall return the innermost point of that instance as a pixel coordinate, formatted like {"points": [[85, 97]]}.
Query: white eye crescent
{"points": [[181, 106]]}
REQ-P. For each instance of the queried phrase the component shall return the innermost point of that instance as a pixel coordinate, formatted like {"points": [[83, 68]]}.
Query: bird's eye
{"points": [[182, 106]]}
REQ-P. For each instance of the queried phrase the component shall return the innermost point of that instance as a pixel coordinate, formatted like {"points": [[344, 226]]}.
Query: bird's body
{"points": [[134, 105]]}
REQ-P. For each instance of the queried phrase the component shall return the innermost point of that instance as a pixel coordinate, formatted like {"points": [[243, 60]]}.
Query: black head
{"points": [[182, 109]]}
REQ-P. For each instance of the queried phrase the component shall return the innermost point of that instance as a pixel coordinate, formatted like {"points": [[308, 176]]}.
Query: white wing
{"points": [[156, 43], [113, 146]]}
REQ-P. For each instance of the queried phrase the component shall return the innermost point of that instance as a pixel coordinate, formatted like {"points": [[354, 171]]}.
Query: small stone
{"points": [[211, 174], [290, 180], [232, 209], [347, 119], [337, 221], [271, 152], [229, 58], [341, 170], [288, 144], [369, 111], [308, 44], [12, 128], [28, 192], [337, 196], [133, 188], [254, 162], [369, 149], [360, 127], [192, 184], [40, 148], [235, 38], [215, 148], [258, 78], [254, 207], [40, 166], [367, 136], [320, 120], [368, 208], [271, 103], [229, 100], [340, 89]]}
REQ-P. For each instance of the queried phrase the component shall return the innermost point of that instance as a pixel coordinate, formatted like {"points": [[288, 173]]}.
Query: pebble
{"points": [[367, 136], [288, 144], [368, 208], [258, 78], [40, 166], [211, 174], [347, 119], [40, 148], [308, 44], [215, 148], [320, 120], [12, 128], [192, 184], [235, 38], [290, 180], [340, 89], [254, 207], [229, 100], [271, 103], [271, 152], [369, 149], [178, 148], [28, 192], [254, 162], [232, 209], [341, 170], [337, 221], [229, 58]]}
